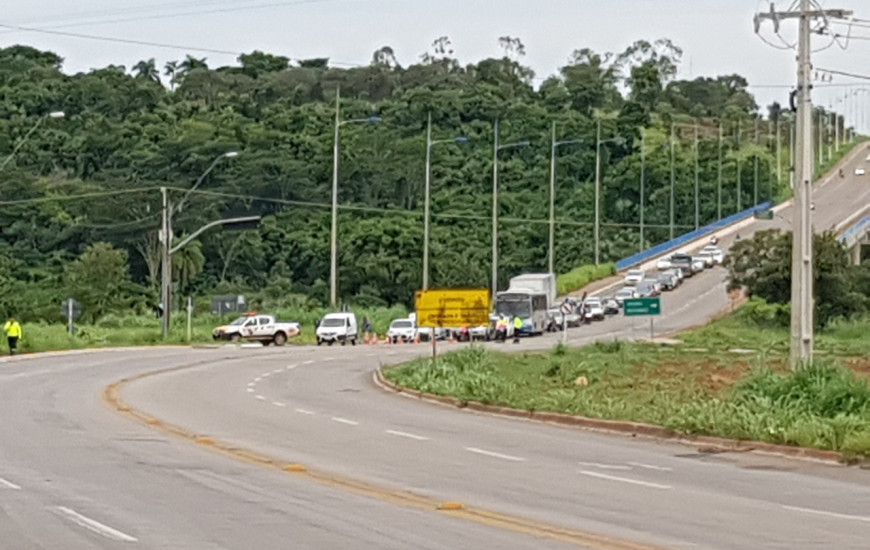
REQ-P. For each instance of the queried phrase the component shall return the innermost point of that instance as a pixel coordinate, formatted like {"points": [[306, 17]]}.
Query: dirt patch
{"points": [[712, 375], [860, 365]]}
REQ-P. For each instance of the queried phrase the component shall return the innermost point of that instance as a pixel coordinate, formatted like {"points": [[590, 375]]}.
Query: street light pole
{"points": [[165, 265], [673, 185], [552, 243], [495, 212], [551, 262], [165, 239], [697, 182], [642, 183], [39, 121], [426, 201], [597, 229], [495, 149], [333, 232], [719, 176], [428, 192]]}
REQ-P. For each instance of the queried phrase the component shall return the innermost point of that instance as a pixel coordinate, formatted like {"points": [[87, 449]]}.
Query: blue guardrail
{"points": [[641, 257], [855, 229]]}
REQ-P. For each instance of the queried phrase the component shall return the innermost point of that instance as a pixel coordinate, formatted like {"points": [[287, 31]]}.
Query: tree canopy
{"points": [[86, 187]]}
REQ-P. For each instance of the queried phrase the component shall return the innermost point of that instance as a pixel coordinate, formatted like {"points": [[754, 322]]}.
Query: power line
{"points": [[69, 198], [844, 73], [250, 7], [120, 40]]}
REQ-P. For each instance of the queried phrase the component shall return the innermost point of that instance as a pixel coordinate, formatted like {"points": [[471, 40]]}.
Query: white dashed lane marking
{"points": [[303, 411], [341, 420], [495, 455], [625, 480], [827, 514], [308, 362], [94, 525], [9, 485], [407, 435], [260, 397], [278, 404], [651, 467], [604, 466]]}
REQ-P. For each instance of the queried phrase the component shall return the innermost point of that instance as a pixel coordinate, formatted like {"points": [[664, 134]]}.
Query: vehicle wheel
{"points": [[344, 341], [353, 341], [331, 342], [280, 339], [319, 341], [235, 338]]}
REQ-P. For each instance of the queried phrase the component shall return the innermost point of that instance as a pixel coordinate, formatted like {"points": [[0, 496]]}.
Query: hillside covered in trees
{"points": [[80, 200]]}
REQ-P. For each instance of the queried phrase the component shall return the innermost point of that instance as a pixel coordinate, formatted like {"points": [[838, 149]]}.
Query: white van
{"points": [[337, 327]]}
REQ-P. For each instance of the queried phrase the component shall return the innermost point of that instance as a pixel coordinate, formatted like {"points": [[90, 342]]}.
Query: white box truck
{"points": [[540, 283]]}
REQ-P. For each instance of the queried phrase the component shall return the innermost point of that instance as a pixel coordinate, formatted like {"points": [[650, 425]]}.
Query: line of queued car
{"points": [[670, 273]]}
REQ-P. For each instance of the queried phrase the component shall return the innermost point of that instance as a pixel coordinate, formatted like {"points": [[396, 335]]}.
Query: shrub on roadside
{"points": [[579, 277]]}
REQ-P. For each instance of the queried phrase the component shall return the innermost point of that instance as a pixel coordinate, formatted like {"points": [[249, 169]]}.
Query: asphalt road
{"points": [[76, 474]]}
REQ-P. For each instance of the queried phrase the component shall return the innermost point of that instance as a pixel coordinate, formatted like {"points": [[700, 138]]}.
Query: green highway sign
{"points": [[642, 306]]}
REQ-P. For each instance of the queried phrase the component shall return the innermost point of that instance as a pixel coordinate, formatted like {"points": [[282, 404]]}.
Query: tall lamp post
{"points": [[39, 121], [333, 234], [426, 202], [166, 239], [551, 257], [597, 226], [495, 150]]}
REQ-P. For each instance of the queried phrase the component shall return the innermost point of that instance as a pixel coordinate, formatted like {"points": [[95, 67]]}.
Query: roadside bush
{"points": [[579, 277], [759, 312]]}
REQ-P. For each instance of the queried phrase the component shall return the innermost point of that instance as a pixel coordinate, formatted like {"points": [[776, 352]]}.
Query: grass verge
{"points": [[704, 386], [118, 331], [581, 276]]}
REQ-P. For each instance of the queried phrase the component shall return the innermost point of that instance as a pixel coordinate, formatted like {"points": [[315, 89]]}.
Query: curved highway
{"points": [[76, 474]]}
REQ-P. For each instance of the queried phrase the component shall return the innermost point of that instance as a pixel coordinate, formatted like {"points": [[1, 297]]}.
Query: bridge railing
{"points": [[676, 243], [851, 235]]}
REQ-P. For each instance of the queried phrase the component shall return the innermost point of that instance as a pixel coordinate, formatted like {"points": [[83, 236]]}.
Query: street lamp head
{"points": [[56, 114], [231, 154], [374, 119], [461, 139]]}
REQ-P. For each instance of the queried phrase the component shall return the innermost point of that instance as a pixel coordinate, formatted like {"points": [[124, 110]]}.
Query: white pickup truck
{"points": [[257, 328]]}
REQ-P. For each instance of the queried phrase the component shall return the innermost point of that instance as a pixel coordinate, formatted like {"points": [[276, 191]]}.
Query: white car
{"points": [[624, 293], [402, 330], [859, 171], [717, 253], [258, 328], [663, 263], [707, 257], [633, 277], [594, 308], [698, 265]]}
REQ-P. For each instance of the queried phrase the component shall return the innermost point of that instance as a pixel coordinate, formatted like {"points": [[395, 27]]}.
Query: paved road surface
{"points": [[74, 474]]}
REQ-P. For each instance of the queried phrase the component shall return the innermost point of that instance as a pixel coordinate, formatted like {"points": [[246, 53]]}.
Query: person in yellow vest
{"points": [[12, 328], [518, 326]]}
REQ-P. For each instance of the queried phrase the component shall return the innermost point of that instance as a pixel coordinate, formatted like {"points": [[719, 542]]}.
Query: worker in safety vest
{"points": [[518, 326], [13, 334], [501, 329]]}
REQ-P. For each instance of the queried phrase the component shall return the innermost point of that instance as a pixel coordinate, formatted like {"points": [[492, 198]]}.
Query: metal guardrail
{"points": [[649, 253], [854, 233]]}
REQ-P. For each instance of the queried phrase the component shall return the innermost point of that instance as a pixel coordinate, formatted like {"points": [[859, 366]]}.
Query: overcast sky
{"points": [[717, 36]]}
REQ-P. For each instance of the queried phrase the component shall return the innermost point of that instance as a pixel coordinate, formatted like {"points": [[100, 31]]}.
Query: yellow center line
{"points": [[594, 541]]}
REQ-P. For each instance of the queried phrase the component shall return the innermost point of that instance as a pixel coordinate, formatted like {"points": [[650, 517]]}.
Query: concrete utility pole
{"points": [[802, 234], [165, 262]]}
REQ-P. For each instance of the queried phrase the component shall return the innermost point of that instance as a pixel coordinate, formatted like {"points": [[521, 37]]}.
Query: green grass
{"points": [[581, 276], [118, 331], [698, 387]]}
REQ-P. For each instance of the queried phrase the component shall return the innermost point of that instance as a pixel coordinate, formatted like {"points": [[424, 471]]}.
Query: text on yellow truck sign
{"points": [[452, 307]]}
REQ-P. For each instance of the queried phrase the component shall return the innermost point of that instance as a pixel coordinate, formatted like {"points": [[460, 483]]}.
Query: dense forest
{"points": [[80, 198]]}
